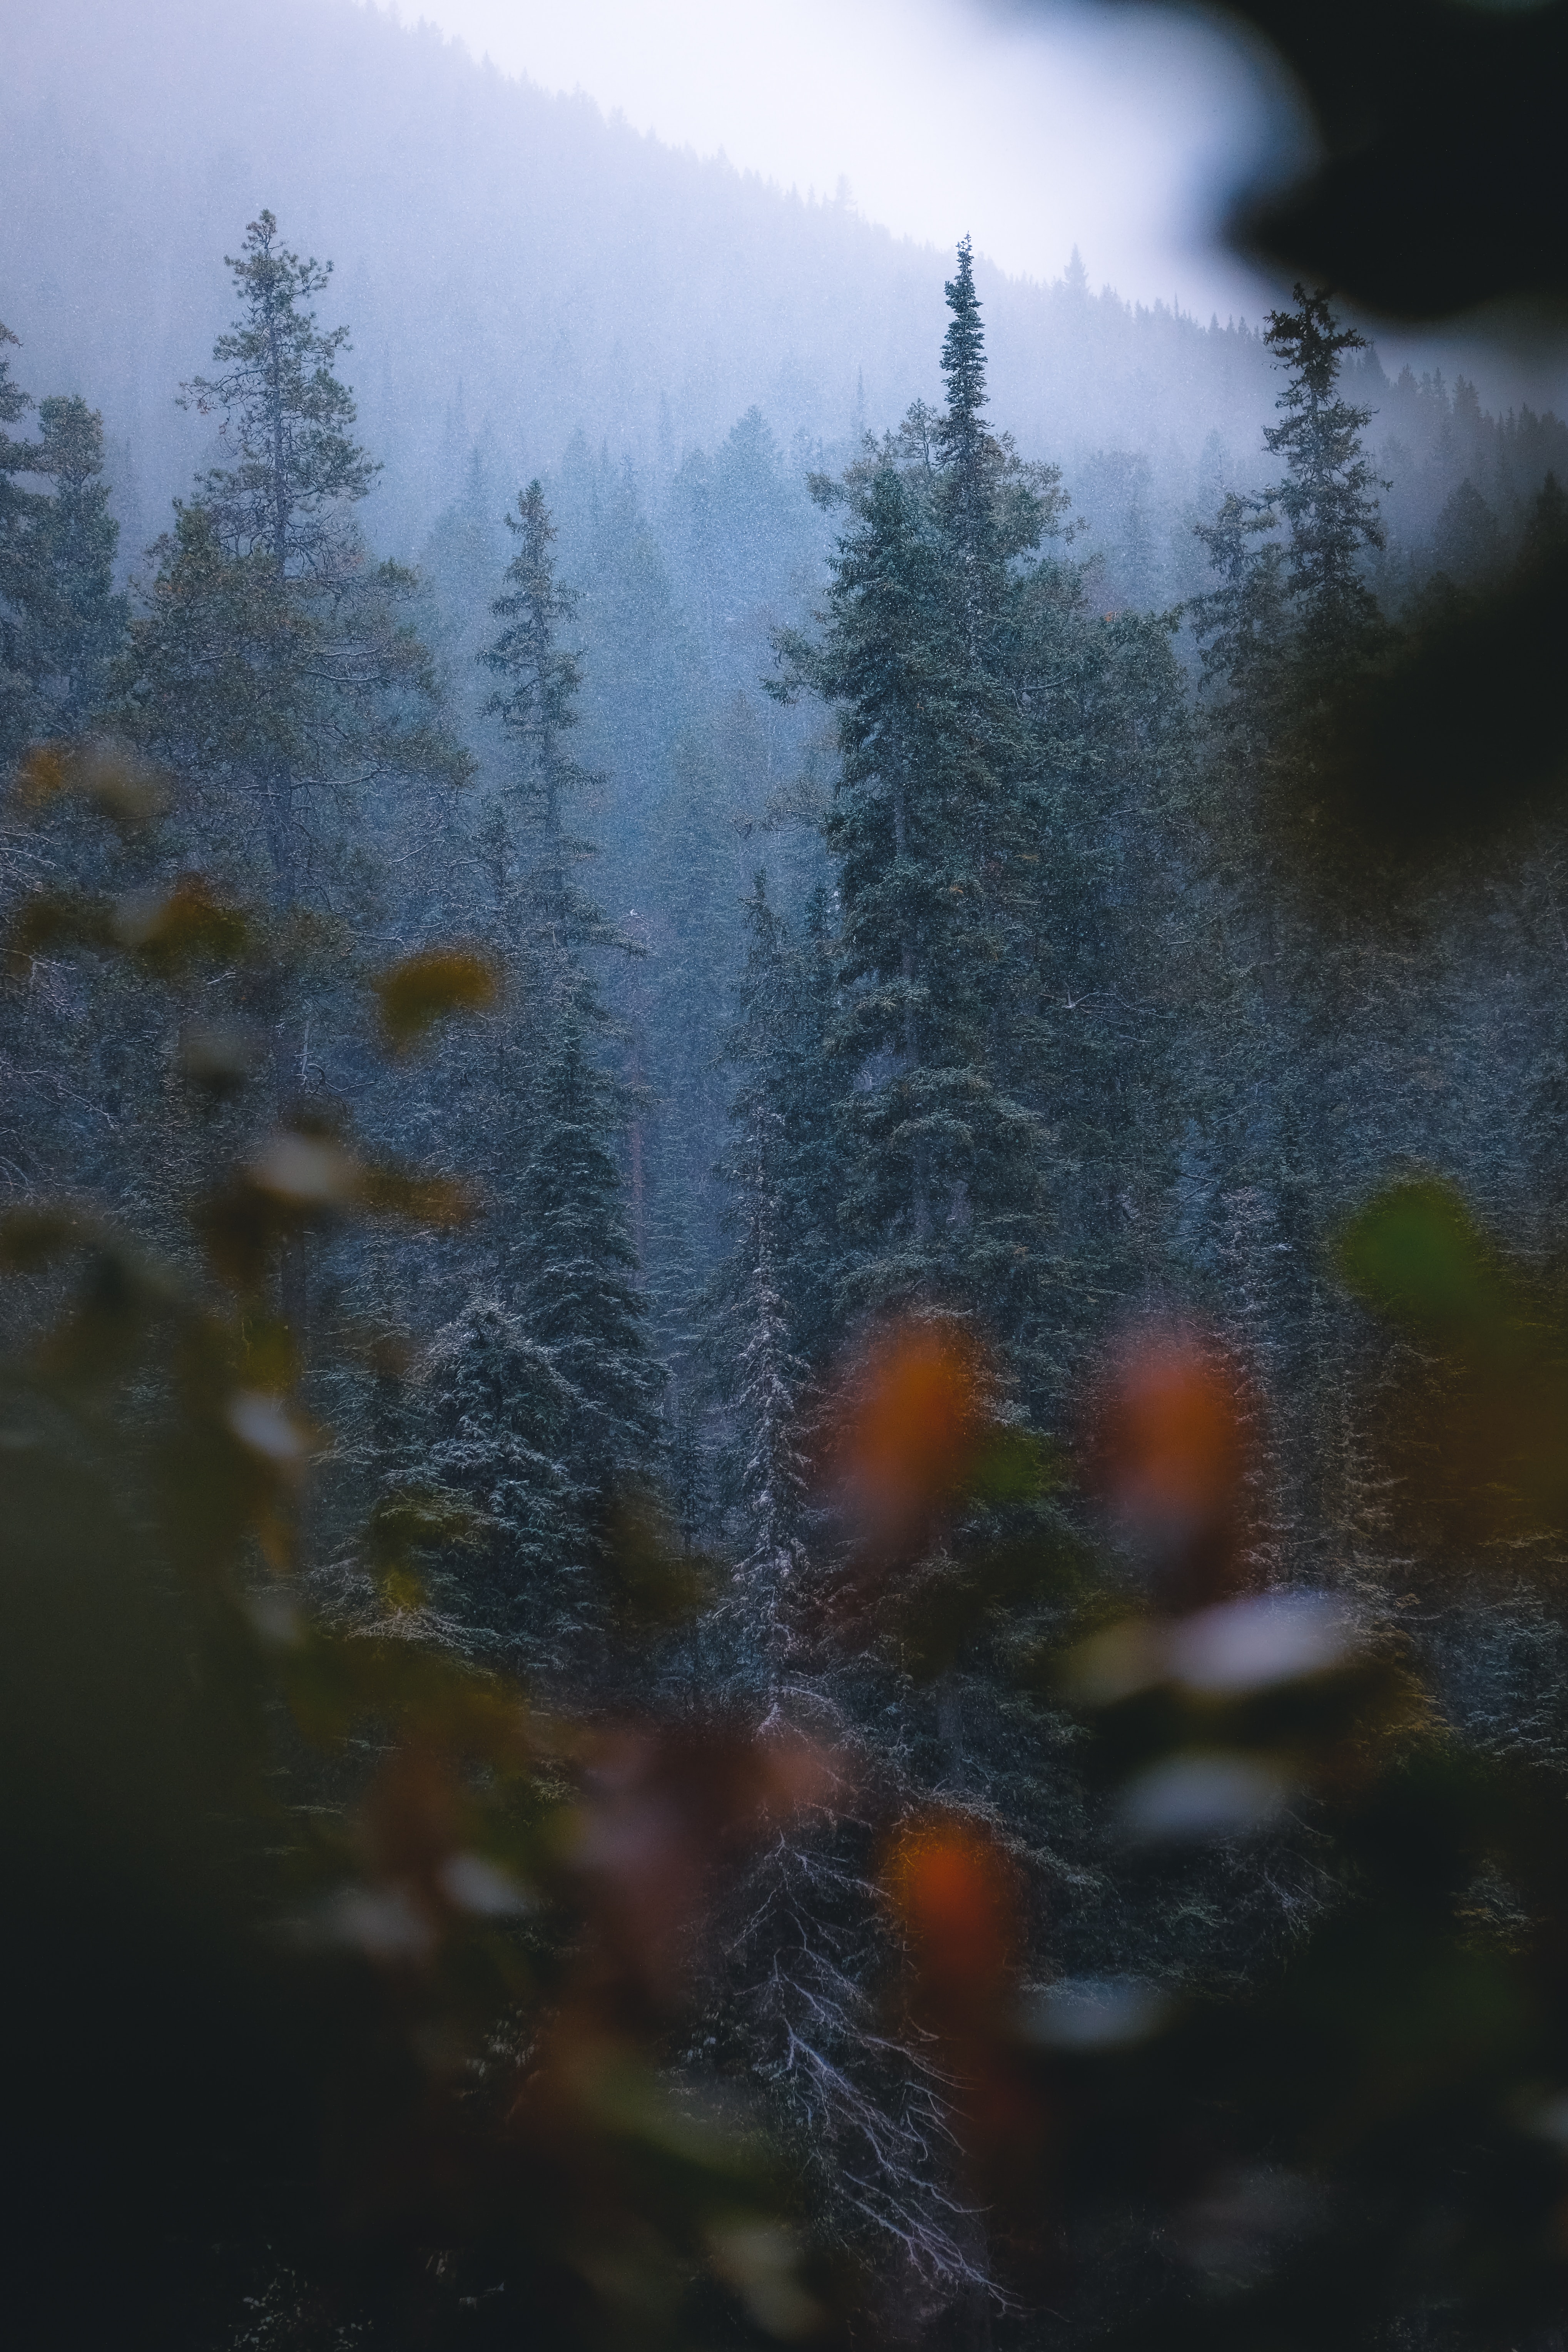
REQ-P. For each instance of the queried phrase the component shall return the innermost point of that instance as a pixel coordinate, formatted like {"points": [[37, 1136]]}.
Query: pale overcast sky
{"points": [[1032, 131]]}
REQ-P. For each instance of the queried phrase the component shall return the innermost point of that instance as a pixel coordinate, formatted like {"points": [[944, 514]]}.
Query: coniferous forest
{"points": [[784, 1345]]}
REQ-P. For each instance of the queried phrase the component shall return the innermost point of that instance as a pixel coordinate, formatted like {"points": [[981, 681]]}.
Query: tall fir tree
{"points": [[72, 1036], [82, 622], [579, 1294], [780, 1043], [943, 1159], [62, 621], [1290, 616], [1328, 493], [770, 1378], [494, 1414], [771, 1322], [1241, 625], [536, 704], [277, 667], [1292, 620], [568, 1267], [276, 671]]}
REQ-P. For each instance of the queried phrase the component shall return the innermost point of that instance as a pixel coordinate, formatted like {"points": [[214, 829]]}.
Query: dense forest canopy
{"points": [[774, 1264]]}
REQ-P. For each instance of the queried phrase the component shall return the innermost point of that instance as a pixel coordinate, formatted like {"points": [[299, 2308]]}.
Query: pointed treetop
{"points": [[533, 522], [284, 415], [535, 602], [1310, 340], [964, 348]]}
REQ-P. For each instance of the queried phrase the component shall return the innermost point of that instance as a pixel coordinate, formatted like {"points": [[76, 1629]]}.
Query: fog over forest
{"points": [[650, 900], [671, 346]]}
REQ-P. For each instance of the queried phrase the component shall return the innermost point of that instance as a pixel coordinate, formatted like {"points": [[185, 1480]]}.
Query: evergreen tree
{"points": [[277, 673], [80, 623], [576, 1269], [494, 1417], [537, 707], [284, 413], [928, 826], [73, 1035], [60, 620], [275, 668], [1241, 623], [1290, 618], [1467, 542], [1546, 531], [1328, 493], [567, 1258], [772, 1320], [769, 1382], [1291, 621]]}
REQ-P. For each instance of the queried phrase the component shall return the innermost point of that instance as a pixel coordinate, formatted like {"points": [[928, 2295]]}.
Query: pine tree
{"points": [[277, 673], [276, 668], [537, 707], [60, 620], [1327, 494], [772, 1318], [1289, 618], [989, 509], [81, 621], [1241, 623], [928, 827], [777, 1042], [285, 413], [1289, 624], [494, 1416], [576, 1270], [1546, 529], [568, 1260], [770, 1378]]}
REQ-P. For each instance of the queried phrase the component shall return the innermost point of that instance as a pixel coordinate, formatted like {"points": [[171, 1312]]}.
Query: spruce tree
{"points": [[77, 1028], [537, 705], [1289, 624], [1327, 495], [772, 1318], [60, 620], [779, 1043], [769, 1382], [578, 1280], [1241, 625], [81, 622], [276, 672], [494, 1416], [275, 668], [928, 826], [568, 1260], [1290, 616]]}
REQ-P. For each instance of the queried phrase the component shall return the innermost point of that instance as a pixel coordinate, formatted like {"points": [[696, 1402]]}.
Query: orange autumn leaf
{"points": [[1172, 1455], [913, 1426], [954, 1896]]}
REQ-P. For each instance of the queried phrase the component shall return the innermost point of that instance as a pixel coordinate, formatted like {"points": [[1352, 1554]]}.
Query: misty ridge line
{"points": [[565, 272]]}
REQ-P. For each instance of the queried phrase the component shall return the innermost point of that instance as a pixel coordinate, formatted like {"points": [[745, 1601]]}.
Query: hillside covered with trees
{"points": [[772, 1273]]}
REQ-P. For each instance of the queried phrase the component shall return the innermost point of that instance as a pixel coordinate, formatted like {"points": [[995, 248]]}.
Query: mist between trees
{"points": [[783, 1415]]}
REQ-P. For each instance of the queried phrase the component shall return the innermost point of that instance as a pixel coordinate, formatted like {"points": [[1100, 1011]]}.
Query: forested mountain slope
{"points": [[671, 344], [511, 260], [952, 1097]]}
